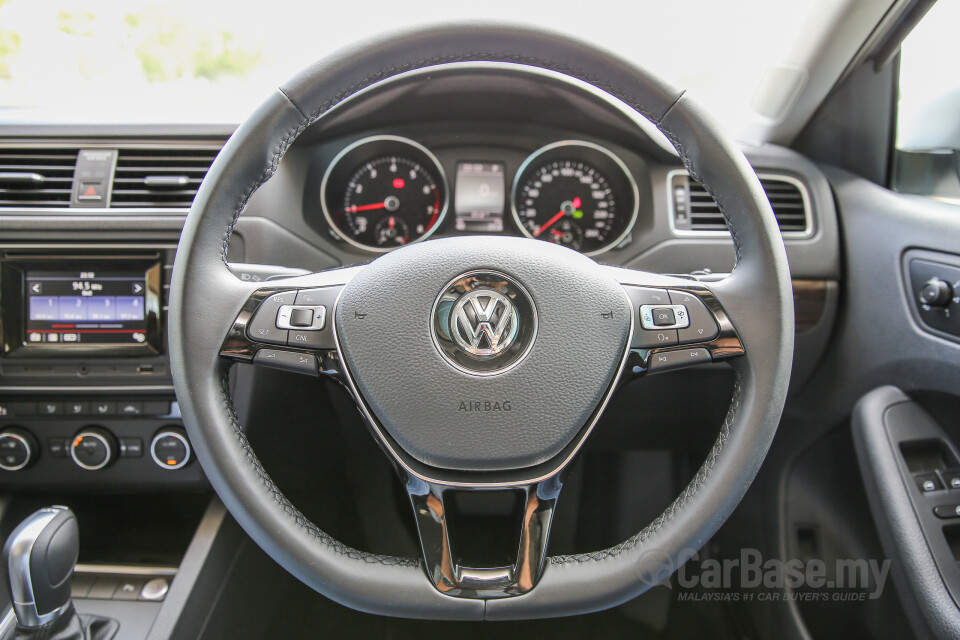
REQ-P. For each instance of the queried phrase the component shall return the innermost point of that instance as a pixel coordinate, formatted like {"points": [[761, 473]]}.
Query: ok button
{"points": [[664, 318]]}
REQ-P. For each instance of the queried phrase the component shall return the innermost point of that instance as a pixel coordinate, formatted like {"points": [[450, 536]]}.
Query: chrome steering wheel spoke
{"points": [[530, 508]]}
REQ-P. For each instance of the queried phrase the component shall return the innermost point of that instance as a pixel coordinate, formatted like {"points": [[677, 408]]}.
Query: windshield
{"points": [[215, 61]]}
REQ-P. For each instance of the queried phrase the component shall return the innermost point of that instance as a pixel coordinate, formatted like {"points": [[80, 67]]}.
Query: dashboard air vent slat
{"points": [[160, 177], [36, 177], [694, 209]]}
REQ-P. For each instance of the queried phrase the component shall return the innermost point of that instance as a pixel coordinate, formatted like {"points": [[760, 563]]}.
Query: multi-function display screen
{"points": [[480, 197], [85, 307]]}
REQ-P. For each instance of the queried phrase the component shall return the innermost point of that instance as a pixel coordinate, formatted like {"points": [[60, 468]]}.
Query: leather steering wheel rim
{"points": [[757, 295]]}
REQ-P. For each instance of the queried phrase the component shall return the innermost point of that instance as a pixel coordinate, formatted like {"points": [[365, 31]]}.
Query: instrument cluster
{"points": [[385, 192]]}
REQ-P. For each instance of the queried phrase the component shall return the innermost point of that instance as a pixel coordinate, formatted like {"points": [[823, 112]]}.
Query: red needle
{"points": [[367, 207], [392, 222], [547, 224], [559, 234]]}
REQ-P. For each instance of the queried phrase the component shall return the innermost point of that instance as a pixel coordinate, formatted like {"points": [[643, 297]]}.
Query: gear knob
{"points": [[40, 556]]}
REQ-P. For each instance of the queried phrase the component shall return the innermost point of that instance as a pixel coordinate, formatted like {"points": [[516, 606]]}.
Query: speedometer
{"points": [[384, 192], [576, 194]]}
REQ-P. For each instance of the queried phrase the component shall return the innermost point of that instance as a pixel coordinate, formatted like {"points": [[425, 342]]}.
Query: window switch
{"points": [[928, 482], [951, 478]]}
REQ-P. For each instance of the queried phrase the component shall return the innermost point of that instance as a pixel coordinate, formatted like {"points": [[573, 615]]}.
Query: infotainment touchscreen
{"points": [[85, 307]]}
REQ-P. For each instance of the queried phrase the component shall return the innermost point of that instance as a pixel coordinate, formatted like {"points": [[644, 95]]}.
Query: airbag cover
{"points": [[450, 418]]}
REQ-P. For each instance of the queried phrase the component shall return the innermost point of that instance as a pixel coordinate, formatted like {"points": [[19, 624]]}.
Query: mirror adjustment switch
{"points": [[263, 326]]}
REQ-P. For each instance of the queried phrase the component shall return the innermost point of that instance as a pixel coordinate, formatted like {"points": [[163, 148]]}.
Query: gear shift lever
{"points": [[40, 556]]}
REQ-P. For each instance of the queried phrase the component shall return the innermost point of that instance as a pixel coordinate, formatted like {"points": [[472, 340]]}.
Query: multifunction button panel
{"points": [[301, 319], [668, 319], [673, 328], [295, 319], [691, 322]]}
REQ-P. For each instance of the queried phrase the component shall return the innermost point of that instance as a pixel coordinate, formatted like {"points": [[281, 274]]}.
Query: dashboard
{"points": [[92, 216]]}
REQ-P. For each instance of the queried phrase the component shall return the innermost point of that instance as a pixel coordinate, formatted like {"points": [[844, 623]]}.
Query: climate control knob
{"points": [[17, 449], [170, 448], [93, 448], [936, 293]]}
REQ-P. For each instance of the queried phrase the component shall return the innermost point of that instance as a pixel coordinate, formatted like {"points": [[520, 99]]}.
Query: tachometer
{"points": [[577, 194], [384, 192]]}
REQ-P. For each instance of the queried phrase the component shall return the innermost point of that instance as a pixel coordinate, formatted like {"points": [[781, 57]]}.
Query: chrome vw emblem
{"points": [[484, 322]]}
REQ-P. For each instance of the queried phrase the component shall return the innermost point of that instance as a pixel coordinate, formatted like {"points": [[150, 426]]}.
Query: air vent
{"points": [[36, 177], [160, 177], [694, 209]]}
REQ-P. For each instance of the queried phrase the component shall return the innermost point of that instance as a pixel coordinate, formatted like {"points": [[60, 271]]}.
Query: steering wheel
{"points": [[476, 324]]}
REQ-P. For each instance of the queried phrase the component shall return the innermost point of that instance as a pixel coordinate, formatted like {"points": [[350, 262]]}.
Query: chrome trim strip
{"points": [[381, 138], [109, 143], [93, 389], [635, 191], [87, 245], [107, 212], [451, 578], [319, 317], [127, 570], [808, 214], [8, 623]]}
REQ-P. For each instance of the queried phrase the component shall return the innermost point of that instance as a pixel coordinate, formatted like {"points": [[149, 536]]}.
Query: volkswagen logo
{"points": [[484, 322]]}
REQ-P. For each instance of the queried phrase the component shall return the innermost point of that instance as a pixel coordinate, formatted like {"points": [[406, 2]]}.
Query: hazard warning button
{"points": [[91, 191], [92, 177]]}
